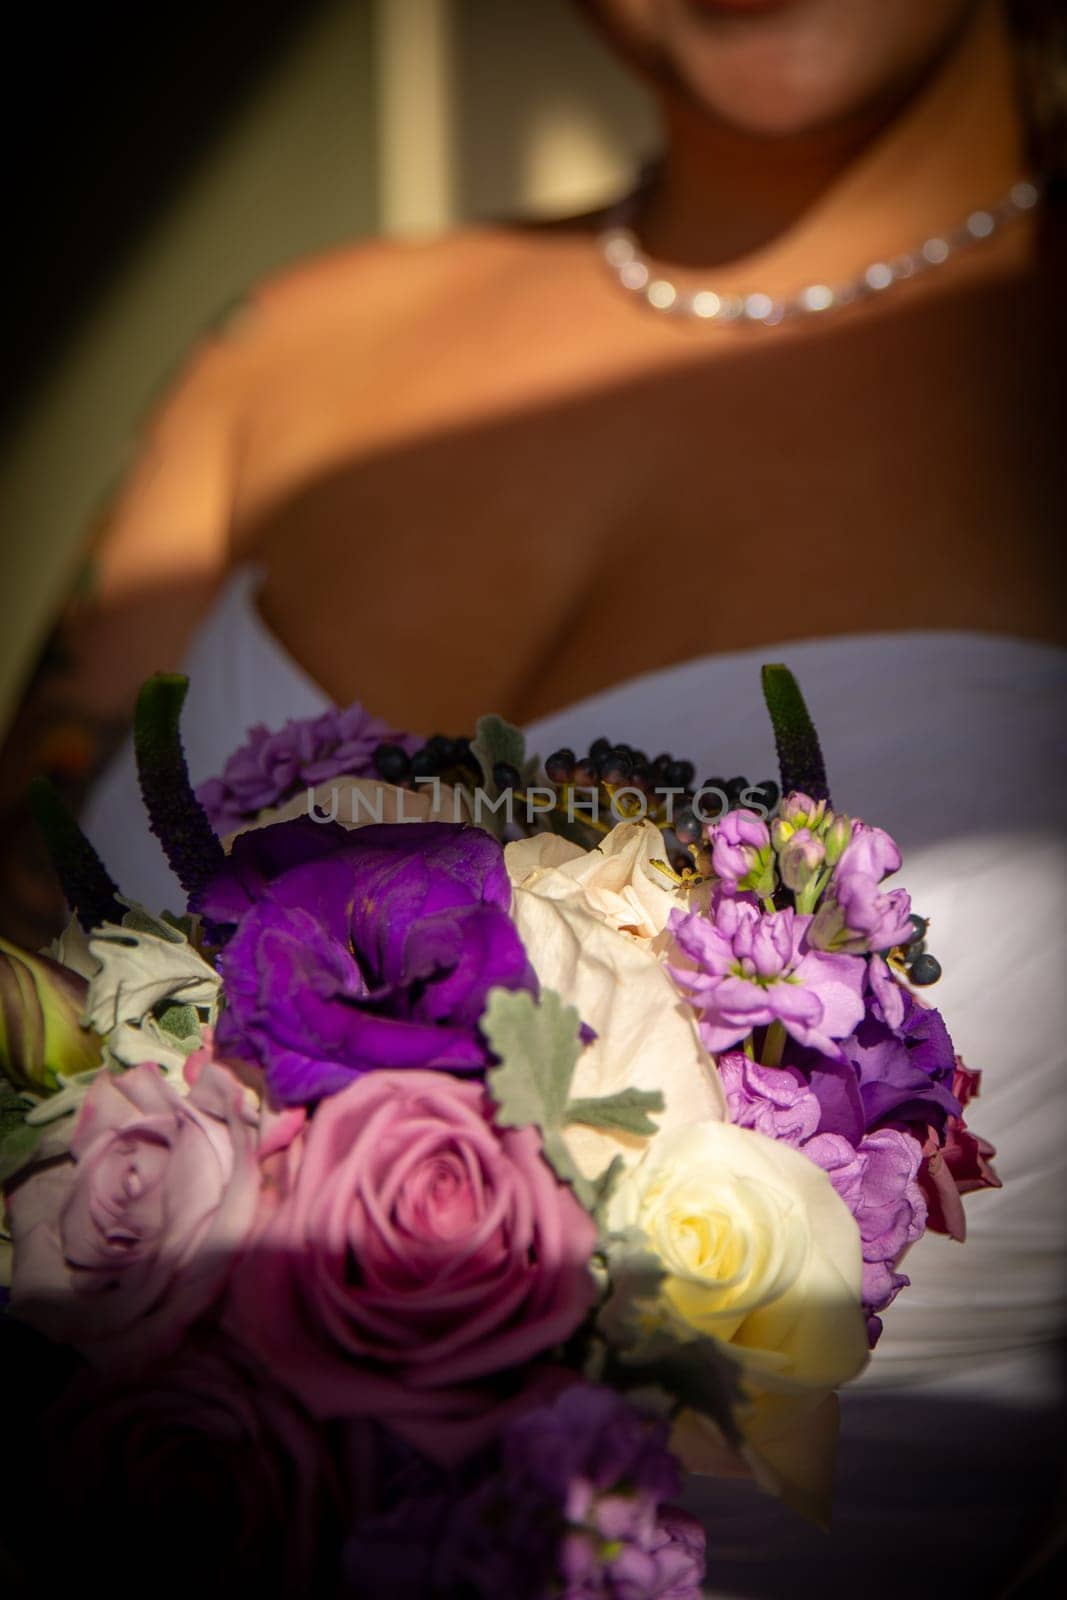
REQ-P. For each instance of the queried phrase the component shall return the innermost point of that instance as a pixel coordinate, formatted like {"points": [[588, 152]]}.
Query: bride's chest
{"points": [[546, 543]]}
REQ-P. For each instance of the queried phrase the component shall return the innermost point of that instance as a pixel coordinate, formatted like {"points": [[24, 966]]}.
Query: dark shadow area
{"points": [[106, 111], [206, 1473]]}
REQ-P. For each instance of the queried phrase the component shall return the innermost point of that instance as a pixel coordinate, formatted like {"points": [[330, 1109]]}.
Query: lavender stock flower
{"points": [[857, 914], [754, 968], [271, 766]]}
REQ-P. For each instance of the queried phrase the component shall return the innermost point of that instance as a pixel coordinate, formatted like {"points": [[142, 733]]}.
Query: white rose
{"points": [[618, 880], [646, 1037], [761, 1254]]}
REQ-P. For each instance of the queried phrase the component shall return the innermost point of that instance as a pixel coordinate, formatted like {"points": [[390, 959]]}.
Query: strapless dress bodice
{"points": [[954, 743]]}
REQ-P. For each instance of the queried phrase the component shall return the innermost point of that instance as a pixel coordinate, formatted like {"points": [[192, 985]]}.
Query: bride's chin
{"points": [[783, 68]]}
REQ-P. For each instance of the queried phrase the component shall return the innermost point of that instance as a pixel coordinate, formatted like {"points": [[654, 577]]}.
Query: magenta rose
{"points": [[421, 1255], [119, 1248]]}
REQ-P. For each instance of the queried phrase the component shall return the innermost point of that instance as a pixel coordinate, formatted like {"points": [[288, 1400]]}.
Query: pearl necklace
{"points": [[636, 274]]}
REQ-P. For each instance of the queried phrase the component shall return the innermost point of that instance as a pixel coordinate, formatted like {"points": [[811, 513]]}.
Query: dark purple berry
{"points": [[734, 788], [680, 774], [505, 776], [688, 827], [615, 767], [392, 763], [923, 970], [598, 748], [559, 768], [425, 763], [919, 926], [764, 794], [585, 774]]}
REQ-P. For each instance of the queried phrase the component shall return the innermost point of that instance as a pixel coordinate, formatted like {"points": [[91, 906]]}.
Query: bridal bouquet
{"points": [[412, 1211]]}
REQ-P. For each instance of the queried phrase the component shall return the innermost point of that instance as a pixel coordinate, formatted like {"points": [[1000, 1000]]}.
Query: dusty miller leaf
{"points": [[140, 968], [497, 740], [627, 1111]]}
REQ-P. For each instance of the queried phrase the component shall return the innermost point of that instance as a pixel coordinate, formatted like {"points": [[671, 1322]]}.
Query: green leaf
{"points": [[18, 1141], [179, 1021], [631, 1311], [497, 740], [627, 1111], [696, 1371], [539, 1046]]}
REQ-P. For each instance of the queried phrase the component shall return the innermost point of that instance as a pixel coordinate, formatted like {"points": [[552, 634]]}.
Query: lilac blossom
{"points": [[856, 913], [755, 967], [272, 766], [741, 855], [879, 1182]]}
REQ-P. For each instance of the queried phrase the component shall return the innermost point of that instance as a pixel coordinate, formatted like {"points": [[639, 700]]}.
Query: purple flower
{"points": [[378, 951], [856, 913], [741, 855], [904, 1073], [775, 1101], [575, 1509], [755, 968], [878, 1181], [272, 766]]}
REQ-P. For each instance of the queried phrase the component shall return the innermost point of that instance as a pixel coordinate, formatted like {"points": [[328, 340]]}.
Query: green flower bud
{"points": [[800, 860], [837, 838], [41, 1034]]}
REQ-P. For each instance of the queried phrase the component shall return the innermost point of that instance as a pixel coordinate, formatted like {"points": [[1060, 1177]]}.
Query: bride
{"points": [[799, 398]]}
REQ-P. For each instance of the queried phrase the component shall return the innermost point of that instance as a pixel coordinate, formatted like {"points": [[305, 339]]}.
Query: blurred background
{"points": [[165, 161]]}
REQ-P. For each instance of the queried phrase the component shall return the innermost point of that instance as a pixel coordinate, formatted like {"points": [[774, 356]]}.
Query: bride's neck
{"points": [[829, 200]]}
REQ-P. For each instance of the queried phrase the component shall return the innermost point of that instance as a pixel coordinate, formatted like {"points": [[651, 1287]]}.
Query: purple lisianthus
{"points": [[754, 968], [575, 1508], [856, 913], [270, 767], [899, 1074], [353, 950]]}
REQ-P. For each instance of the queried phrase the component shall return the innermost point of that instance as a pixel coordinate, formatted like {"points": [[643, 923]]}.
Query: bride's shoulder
{"points": [[381, 286]]}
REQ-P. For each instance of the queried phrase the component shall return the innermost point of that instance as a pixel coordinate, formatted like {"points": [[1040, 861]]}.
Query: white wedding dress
{"points": [[953, 742]]}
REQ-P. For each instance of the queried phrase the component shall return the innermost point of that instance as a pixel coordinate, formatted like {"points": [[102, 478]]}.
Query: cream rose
{"points": [[646, 1037], [761, 1254], [617, 881]]}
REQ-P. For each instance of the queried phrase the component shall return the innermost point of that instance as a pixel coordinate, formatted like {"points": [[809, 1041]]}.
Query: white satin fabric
{"points": [[953, 742]]}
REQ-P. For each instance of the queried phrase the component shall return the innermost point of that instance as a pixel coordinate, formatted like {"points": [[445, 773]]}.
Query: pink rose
{"points": [[201, 1468], [119, 1249], [420, 1252]]}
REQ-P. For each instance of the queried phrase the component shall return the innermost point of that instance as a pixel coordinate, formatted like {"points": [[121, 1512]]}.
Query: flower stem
{"points": [[774, 1044]]}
